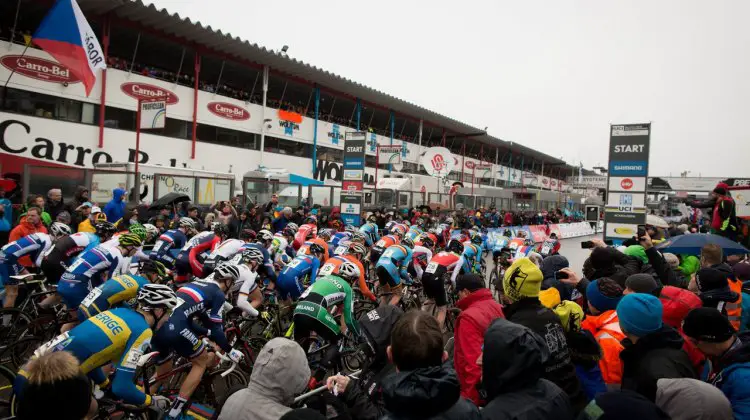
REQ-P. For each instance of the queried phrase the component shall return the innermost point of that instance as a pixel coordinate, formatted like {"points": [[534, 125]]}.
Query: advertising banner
{"points": [[629, 146], [351, 191], [438, 162]]}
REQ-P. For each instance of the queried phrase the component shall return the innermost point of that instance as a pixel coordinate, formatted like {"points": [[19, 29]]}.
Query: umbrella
{"points": [[169, 199], [656, 221], [692, 244]]}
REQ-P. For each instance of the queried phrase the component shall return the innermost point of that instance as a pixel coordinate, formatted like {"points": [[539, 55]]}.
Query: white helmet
{"points": [[292, 226], [152, 296], [151, 229], [187, 222], [265, 235], [349, 272], [226, 271], [58, 229], [252, 254]]}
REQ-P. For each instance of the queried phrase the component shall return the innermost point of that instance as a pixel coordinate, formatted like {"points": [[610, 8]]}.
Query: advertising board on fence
{"points": [[354, 163]]}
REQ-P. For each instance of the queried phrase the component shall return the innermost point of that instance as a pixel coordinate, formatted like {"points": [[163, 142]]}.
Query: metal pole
{"points": [[393, 125], [263, 112], [359, 112], [218, 81], [135, 51], [494, 172], [15, 23], [419, 141], [354, 111], [137, 137], [103, 95], [283, 92], [463, 159], [195, 102], [377, 163], [179, 69], [252, 91], [315, 130]]}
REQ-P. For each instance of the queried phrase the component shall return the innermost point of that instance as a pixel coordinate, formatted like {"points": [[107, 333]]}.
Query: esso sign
{"points": [[626, 184], [147, 91], [39, 69], [228, 111]]}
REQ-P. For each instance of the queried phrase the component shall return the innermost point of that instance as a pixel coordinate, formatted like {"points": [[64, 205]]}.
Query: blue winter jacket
{"points": [[6, 222], [115, 209], [731, 374]]}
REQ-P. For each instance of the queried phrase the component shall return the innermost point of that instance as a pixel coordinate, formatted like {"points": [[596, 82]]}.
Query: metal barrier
{"points": [[201, 190]]}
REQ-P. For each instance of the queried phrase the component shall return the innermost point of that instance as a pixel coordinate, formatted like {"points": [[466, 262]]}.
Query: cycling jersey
{"points": [[280, 247], [332, 267], [499, 244], [432, 278], [305, 233], [190, 258], [118, 289], [266, 268], [392, 266], [414, 233], [34, 245], [471, 256], [381, 245], [89, 270], [165, 247], [370, 230], [420, 257], [247, 284], [291, 278], [318, 299], [336, 242], [549, 247], [305, 248], [221, 253], [119, 336], [57, 258], [199, 302]]}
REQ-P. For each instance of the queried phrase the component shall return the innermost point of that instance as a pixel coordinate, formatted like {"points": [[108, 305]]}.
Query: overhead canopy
{"points": [[393, 184], [304, 181]]}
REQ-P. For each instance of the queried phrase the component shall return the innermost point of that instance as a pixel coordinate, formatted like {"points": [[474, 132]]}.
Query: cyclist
{"points": [[225, 251], [152, 232], [472, 260], [119, 336], [354, 254], [370, 230], [170, 242], [393, 266], [69, 247], [249, 297], [550, 246], [415, 230], [302, 267], [95, 266], [305, 248], [190, 259], [280, 251], [476, 239], [442, 263], [201, 304], [340, 239], [381, 245], [307, 231], [421, 255], [35, 246], [326, 234], [121, 289], [264, 240], [312, 314]]}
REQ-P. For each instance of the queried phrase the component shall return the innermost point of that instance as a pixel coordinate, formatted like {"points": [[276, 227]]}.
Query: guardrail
{"points": [[540, 232]]}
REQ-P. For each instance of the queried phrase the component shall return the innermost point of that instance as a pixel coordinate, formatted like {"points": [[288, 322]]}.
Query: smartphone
{"points": [[587, 245], [641, 231], [561, 275]]}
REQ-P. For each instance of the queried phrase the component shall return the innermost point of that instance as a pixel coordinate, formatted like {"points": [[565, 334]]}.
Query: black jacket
{"points": [[364, 396], [428, 393], [559, 368], [609, 262], [550, 266], [654, 356], [512, 370]]}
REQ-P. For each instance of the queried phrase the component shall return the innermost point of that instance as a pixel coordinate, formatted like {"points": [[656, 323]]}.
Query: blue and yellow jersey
{"points": [[118, 289]]}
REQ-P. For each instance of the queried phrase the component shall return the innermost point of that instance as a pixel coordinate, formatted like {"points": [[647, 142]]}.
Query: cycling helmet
{"points": [[312, 220], [317, 249], [130, 239], [419, 222], [356, 248], [153, 230], [350, 229], [248, 235], [153, 296], [553, 235], [226, 271], [476, 238], [58, 229], [455, 246], [399, 230], [372, 217], [407, 242], [358, 237], [265, 235], [138, 229], [507, 233], [326, 234], [349, 272], [214, 225], [293, 227], [252, 254], [186, 222], [221, 230], [151, 266], [105, 228], [390, 225], [426, 241]]}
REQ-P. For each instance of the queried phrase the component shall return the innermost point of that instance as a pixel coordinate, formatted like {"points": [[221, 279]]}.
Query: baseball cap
{"points": [[470, 282], [96, 209]]}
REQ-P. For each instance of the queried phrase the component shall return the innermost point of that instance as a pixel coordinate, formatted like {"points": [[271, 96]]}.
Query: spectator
{"points": [[6, 218], [303, 414], [299, 216], [95, 215], [241, 223], [55, 389], [423, 386], [210, 219], [270, 207], [512, 373], [35, 200], [161, 223], [712, 257], [522, 283], [657, 263], [81, 196], [602, 297], [616, 405], [280, 372], [31, 223], [728, 356], [194, 213], [130, 218], [724, 216], [164, 211], [741, 272], [691, 399], [652, 350], [115, 209], [609, 262], [673, 261], [224, 212], [478, 310], [715, 293], [550, 266], [280, 222], [54, 202]]}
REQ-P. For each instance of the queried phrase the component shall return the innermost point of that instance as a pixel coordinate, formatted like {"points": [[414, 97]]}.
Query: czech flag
{"points": [[66, 35]]}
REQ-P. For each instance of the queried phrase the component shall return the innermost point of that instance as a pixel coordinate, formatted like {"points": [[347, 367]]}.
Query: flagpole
{"points": [[137, 137]]}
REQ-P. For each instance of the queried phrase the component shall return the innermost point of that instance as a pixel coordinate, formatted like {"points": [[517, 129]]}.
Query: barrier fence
{"points": [[540, 232]]}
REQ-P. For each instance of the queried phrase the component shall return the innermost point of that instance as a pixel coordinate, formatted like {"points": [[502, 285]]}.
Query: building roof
{"points": [[211, 39]]}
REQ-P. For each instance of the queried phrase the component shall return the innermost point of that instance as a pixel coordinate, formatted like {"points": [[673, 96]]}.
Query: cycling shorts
{"points": [[53, 269], [176, 336], [434, 287], [73, 288], [289, 284], [311, 314], [375, 254], [388, 274], [9, 266]]}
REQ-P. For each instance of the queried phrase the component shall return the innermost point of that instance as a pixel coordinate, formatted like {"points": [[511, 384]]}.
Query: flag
{"points": [[66, 35]]}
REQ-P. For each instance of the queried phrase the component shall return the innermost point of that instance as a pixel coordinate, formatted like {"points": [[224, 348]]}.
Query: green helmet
{"points": [[129, 239], [138, 229], [156, 267]]}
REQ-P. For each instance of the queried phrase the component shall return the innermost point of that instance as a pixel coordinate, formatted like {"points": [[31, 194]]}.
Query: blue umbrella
{"points": [[692, 244]]}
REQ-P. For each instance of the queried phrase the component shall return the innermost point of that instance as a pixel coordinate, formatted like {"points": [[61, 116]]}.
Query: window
{"points": [[45, 106], [117, 118], [293, 148], [330, 155], [177, 128]]}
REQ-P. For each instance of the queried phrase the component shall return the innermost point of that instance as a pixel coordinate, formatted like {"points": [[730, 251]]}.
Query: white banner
{"points": [[389, 154]]}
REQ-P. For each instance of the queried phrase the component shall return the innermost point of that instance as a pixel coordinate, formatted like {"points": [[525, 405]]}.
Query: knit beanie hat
{"points": [[672, 260], [599, 300], [636, 251], [570, 314], [642, 283], [711, 279], [622, 405], [522, 279], [640, 314], [708, 324]]}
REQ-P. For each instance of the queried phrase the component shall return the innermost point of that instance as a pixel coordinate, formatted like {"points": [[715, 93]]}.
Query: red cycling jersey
{"points": [[305, 233]]}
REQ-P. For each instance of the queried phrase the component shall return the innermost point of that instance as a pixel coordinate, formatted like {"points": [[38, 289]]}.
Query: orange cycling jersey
{"points": [[305, 248], [332, 267]]}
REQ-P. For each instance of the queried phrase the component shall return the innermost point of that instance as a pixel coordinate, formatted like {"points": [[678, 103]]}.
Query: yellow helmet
{"points": [[129, 239]]}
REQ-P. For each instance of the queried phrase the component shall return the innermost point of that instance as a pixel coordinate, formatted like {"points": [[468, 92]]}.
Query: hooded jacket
{"points": [[586, 355], [25, 228], [606, 329], [691, 399], [427, 393], [731, 374], [654, 356], [478, 310], [280, 373], [559, 368], [115, 209], [550, 266], [609, 262], [512, 371], [676, 304]]}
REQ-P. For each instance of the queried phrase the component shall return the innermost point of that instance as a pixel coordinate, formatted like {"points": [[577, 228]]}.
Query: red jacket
{"points": [[676, 304], [478, 310], [25, 228]]}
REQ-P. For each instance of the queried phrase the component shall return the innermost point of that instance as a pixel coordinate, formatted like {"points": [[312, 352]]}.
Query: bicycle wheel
{"points": [[450, 318], [13, 322], [17, 354], [7, 377], [208, 397]]}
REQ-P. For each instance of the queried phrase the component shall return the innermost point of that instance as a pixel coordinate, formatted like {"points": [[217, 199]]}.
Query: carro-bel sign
{"points": [[39, 69], [147, 91], [228, 111]]}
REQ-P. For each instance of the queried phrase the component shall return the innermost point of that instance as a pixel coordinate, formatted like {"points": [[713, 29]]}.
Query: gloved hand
{"points": [[160, 403], [235, 355]]}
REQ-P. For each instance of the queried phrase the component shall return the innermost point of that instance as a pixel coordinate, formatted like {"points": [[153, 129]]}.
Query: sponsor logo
{"points": [[545, 181], [39, 69], [624, 231], [109, 322], [352, 175], [470, 165], [438, 163], [228, 111], [628, 168], [145, 91], [626, 184]]}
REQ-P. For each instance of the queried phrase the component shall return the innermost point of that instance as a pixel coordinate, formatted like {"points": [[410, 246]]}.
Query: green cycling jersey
{"points": [[324, 294]]}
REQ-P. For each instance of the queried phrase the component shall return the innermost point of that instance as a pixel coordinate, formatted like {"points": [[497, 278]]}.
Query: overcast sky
{"points": [[551, 75]]}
